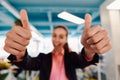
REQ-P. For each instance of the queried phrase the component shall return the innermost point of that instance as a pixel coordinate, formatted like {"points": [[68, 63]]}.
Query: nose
{"points": [[56, 39]]}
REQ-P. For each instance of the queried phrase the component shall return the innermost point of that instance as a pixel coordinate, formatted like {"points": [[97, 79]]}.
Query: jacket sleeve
{"points": [[28, 63], [79, 60]]}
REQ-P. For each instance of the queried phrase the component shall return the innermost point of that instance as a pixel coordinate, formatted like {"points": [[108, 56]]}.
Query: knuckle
{"points": [[98, 47], [100, 51], [94, 39], [5, 48], [110, 46], [108, 39], [19, 47], [28, 35], [88, 34], [23, 40], [105, 32], [17, 26], [14, 28], [16, 52], [23, 48], [26, 42], [6, 42], [11, 50], [97, 26], [8, 34]]}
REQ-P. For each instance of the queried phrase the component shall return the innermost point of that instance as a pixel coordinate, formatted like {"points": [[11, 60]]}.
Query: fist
{"points": [[18, 38], [95, 39]]}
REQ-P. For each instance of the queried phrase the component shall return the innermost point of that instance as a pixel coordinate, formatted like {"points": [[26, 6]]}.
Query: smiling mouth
{"points": [[57, 44]]}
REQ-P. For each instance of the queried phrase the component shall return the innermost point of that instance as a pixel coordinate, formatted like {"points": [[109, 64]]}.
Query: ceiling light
{"points": [[114, 5], [70, 17]]}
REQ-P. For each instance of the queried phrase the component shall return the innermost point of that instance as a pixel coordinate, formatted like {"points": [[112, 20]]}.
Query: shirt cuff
{"points": [[92, 60], [13, 58]]}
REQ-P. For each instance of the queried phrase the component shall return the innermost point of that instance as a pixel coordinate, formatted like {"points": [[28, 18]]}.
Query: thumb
{"points": [[88, 20], [24, 19]]}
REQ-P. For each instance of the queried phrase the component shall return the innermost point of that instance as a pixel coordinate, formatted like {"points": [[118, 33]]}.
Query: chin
{"points": [[57, 46]]}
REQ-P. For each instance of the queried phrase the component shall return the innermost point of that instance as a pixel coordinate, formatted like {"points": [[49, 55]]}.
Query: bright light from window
{"points": [[114, 5], [70, 17]]}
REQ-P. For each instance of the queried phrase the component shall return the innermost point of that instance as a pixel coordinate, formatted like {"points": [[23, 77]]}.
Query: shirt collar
{"points": [[61, 53]]}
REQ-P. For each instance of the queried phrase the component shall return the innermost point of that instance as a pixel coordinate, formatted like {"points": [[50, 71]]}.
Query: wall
{"points": [[109, 57]]}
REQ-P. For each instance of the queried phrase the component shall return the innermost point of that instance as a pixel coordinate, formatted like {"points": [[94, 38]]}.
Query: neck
{"points": [[58, 50]]}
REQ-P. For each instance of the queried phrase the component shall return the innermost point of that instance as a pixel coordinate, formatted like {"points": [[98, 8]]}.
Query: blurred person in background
{"points": [[61, 63]]}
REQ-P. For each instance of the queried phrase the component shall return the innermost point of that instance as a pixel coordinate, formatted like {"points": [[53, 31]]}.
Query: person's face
{"points": [[59, 37]]}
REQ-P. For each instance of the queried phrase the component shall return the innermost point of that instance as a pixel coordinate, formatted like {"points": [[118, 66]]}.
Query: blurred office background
{"points": [[43, 18]]}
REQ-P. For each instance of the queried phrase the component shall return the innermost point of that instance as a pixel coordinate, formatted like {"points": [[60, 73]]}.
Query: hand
{"points": [[18, 38], [95, 39]]}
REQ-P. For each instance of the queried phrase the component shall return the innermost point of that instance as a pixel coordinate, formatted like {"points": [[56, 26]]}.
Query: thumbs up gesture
{"points": [[95, 39], [18, 38]]}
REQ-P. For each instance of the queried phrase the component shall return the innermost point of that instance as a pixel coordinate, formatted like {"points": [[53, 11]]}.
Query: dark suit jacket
{"points": [[43, 62]]}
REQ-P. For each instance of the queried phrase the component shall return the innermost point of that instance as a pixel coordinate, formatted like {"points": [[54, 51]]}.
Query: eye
{"points": [[61, 36], [54, 35]]}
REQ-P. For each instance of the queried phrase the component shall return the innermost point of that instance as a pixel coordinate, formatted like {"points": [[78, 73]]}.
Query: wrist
{"points": [[89, 54], [21, 56]]}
